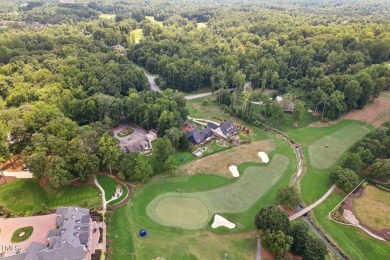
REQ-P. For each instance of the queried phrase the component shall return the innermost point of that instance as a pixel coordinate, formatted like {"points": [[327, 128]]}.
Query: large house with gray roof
{"points": [[70, 241]]}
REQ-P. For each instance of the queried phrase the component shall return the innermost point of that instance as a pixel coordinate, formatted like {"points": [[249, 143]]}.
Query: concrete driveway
{"points": [[41, 225], [153, 85], [136, 136], [19, 175]]}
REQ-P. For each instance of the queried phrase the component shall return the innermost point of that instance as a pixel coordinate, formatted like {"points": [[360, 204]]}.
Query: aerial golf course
{"points": [[178, 211]]}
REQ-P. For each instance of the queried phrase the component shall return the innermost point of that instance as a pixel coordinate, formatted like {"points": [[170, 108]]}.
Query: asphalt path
{"points": [[153, 85]]}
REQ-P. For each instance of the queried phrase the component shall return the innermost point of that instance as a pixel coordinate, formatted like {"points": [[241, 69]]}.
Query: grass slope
{"points": [[27, 195], [122, 242], [109, 186]]}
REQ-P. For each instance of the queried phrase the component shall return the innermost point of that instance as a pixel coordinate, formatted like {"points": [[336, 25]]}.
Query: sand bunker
{"points": [[220, 221], [233, 169], [264, 157]]}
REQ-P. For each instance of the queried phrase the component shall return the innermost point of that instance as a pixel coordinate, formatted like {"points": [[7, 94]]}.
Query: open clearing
{"points": [[237, 197], [373, 208], [151, 18], [138, 35], [376, 113], [324, 152], [218, 164], [107, 16]]}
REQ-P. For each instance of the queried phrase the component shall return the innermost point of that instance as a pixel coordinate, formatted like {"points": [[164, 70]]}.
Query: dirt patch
{"points": [[6, 179], [219, 163], [186, 127], [77, 182], [371, 113], [385, 233], [348, 204], [15, 164], [290, 212], [265, 254]]}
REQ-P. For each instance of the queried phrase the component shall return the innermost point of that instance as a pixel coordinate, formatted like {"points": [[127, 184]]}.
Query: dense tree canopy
{"points": [[271, 218]]}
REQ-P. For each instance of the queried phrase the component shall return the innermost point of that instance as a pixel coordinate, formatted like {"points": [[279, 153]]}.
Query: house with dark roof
{"points": [[70, 241], [212, 125], [226, 129], [197, 136]]}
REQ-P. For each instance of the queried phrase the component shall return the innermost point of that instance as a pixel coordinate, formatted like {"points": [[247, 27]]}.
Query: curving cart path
{"points": [[312, 206]]}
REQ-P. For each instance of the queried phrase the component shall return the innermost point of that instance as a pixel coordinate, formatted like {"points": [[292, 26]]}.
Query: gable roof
{"points": [[212, 125], [228, 128], [189, 134], [202, 135]]}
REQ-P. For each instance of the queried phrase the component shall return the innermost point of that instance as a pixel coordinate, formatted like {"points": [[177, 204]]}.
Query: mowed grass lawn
{"points": [[109, 185], [373, 208], [324, 152], [26, 195], [353, 241]]}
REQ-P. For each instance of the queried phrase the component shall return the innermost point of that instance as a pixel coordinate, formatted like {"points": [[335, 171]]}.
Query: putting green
{"points": [[181, 211], [194, 210], [323, 157]]}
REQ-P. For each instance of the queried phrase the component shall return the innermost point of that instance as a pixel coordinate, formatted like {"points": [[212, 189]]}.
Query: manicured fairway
{"points": [[237, 197], [324, 152]]}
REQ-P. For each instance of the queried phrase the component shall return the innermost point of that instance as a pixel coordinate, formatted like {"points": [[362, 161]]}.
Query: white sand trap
{"points": [[220, 221], [233, 169], [264, 157]]}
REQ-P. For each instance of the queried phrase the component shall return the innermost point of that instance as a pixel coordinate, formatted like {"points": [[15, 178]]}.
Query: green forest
{"points": [[63, 83]]}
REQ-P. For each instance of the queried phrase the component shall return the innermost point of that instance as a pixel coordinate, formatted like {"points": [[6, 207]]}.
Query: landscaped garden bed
{"points": [[96, 255], [22, 234], [125, 132]]}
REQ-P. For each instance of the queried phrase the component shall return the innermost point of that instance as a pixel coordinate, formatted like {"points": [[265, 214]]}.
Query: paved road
{"points": [[195, 96], [312, 206], [103, 194], [19, 175], [206, 94], [201, 121], [153, 85]]}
